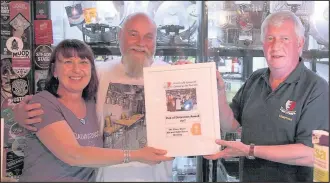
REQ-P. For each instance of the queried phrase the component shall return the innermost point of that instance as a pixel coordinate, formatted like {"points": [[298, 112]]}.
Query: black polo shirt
{"points": [[286, 115]]}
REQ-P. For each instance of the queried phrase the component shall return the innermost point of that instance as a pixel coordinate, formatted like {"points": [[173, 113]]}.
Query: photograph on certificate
{"points": [[181, 100]]}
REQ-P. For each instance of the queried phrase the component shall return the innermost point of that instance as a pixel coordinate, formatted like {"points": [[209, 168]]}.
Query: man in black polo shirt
{"points": [[277, 107]]}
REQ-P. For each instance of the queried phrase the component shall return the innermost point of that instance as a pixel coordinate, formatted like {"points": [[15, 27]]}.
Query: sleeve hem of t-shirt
{"points": [[51, 113]]}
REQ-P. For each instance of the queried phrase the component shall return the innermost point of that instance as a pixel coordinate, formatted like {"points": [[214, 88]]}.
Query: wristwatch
{"points": [[251, 152]]}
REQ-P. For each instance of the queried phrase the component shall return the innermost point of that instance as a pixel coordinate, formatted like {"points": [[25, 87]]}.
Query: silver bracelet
{"points": [[127, 154]]}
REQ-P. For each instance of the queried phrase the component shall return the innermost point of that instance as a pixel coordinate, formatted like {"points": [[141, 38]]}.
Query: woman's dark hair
{"points": [[70, 48]]}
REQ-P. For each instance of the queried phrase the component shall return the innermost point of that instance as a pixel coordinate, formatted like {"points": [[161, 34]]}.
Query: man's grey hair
{"points": [[276, 19], [130, 16]]}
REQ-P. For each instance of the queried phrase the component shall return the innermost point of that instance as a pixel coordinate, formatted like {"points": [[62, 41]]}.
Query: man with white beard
{"points": [[119, 101], [117, 77]]}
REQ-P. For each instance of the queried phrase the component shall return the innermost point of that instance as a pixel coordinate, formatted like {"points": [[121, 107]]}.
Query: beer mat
{"points": [[320, 137], [19, 22], [16, 7], [5, 12], [43, 32], [41, 10]]}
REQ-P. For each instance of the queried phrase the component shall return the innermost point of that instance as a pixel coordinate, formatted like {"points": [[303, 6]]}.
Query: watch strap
{"points": [[251, 150]]}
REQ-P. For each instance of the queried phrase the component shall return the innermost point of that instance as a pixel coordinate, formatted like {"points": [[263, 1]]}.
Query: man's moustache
{"points": [[146, 51]]}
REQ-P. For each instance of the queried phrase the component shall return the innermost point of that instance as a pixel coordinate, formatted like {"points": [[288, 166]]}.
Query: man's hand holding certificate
{"points": [[182, 112]]}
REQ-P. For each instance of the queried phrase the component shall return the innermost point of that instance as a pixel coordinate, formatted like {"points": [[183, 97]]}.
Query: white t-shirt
{"points": [[120, 111]]}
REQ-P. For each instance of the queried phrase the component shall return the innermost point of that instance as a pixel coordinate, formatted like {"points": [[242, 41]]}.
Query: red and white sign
{"points": [[43, 32], [16, 7], [21, 63]]}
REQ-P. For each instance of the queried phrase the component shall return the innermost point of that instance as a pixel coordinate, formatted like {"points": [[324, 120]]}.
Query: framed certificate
{"points": [[182, 113]]}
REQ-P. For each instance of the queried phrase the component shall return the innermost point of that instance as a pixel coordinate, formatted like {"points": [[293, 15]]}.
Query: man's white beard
{"points": [[134, 65]]}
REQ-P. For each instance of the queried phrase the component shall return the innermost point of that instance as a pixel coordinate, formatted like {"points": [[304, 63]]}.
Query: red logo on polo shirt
{"points": [[289, 107]]}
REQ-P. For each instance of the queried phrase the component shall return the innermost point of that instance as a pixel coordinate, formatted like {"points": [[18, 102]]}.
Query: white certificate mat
{"points": [[182, 114]]}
